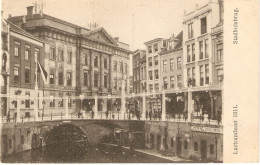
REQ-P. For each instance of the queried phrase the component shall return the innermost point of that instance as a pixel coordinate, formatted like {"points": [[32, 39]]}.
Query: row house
{"points": [[153, 70], [79, 62], [203, 76], [172, 74], [21, 51]]}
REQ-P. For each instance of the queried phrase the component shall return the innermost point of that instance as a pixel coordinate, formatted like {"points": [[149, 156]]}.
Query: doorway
{"points": [[158, 142], [203, 149], [179, 146]]}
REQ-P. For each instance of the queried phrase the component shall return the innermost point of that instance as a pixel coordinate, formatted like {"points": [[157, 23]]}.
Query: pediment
{"points": [[100, 35]]}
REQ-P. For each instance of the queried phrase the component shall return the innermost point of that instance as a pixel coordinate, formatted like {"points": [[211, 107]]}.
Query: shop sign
{"points": [[206, 129]]}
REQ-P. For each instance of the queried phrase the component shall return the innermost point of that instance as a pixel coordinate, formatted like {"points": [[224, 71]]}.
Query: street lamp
{"points": [[81, 98]]}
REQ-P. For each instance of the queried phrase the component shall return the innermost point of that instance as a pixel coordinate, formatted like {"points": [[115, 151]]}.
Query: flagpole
{"points": [[36, 88]]}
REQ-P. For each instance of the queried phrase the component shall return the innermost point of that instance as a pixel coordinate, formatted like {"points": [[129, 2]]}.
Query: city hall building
{"points": [[79, 62]]}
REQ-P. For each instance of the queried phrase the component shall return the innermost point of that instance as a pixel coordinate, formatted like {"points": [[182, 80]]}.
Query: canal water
{"points": [[98, 154]]}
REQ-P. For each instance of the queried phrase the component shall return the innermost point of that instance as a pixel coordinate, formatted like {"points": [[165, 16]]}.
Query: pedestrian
{"points": [[113, 116], [150, 115], [15, 116], [8, 117], [92, 114], [146, 115], [106, 114]]}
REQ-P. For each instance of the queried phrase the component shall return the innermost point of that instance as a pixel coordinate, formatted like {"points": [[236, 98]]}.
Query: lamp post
{"points": [[81, 98]]}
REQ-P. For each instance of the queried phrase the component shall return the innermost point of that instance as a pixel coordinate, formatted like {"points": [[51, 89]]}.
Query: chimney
{"points": [[116, 38], [30, 11], [2, 13], [197, 6], [9, 15]]}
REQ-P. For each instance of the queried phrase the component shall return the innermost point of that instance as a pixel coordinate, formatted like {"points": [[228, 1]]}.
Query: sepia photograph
{"points": [[106, 81]]}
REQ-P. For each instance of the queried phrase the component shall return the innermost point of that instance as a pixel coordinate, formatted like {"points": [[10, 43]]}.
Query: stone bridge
{"points": [[17, 137]]}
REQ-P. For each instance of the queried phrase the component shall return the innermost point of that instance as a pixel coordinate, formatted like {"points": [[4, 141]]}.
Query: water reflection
{"points": [[97, 154]]}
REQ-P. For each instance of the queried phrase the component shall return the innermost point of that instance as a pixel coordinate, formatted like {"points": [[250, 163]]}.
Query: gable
{"points": [[100, 35]]}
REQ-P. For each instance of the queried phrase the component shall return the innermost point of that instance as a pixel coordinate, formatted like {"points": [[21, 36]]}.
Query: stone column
{"points": [[91, 63], [110, 72], [123, 98], [66, 107], [35, 107], [101, 66], [163, 106], [211, 104], [96, 107], [189, 105], [144, 107], [18, 110]]}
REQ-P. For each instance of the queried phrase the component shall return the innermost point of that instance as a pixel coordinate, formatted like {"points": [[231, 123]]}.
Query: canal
{"points": [[97, 154]]}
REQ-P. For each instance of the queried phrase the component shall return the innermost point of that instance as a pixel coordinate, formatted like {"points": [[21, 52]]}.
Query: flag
{"points": [[43, 72]]}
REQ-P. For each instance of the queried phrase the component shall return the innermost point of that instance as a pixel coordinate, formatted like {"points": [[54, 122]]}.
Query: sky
{"points": [[133, 21]]}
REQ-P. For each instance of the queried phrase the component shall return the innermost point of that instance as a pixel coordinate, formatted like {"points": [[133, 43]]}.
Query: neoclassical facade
{"points": [[79, 62]]}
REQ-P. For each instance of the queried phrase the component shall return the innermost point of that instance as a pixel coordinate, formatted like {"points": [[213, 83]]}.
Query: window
{"points": [[85, 78], [190, 30], [26, 54], [150, 75], [96, 61], [172, 142], [52, 54], [155, 47], [201, 49], [52, 101], [185, 145], [149, 49], [17, 49], [27, 101], [188, 53], [61, 102], [69, 57], [155, 60], [115, 66], [165, 83], [179, 63], [207, 73], [10, 143], [206, 48], [203, 25], [179, 80], [16, 74], [172, 82], [60, 78], [151, 87], [141, 73], [61, 56], [105, 81], [69, 78], [219, 52], [52, 77], [115, 83], [193, 75], [164, 43], [27, 75], [96, 79], [150, 60], [211, 149], [22, 139], [164, 65], [220, 75], [195, 146], [171, 64], [193, 52], [156, 86], [156, 74], [69, 100], [105, 63], [188, 73], [201, 75]]}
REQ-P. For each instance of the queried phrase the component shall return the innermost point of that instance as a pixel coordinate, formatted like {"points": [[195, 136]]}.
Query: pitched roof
{"points": [[19, 30], [178, 46]]}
